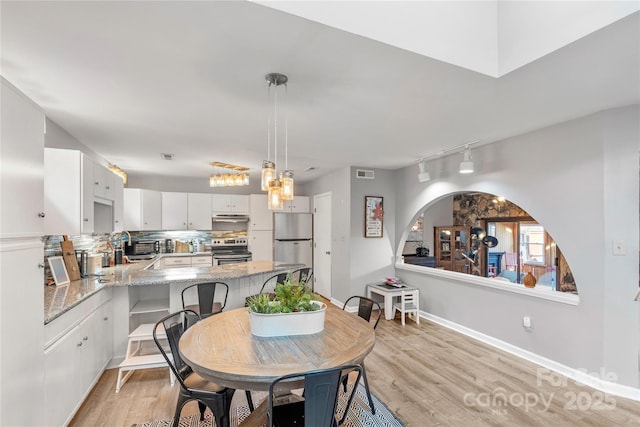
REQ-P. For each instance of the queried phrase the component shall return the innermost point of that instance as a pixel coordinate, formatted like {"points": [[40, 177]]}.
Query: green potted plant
{"points": [[294, 310]]}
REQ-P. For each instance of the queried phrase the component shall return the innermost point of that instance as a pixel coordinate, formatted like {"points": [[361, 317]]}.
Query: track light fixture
{"points": [[423, 176], [466, 166]]}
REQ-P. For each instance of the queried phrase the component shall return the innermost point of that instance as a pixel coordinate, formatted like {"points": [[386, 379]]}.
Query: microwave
{"points": [[143, 247]]}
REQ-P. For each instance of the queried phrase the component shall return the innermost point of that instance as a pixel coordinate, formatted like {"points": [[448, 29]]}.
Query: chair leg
{"points": [[249, 400], [202, 408], [353, 392], [182, 399], [221, 407]]}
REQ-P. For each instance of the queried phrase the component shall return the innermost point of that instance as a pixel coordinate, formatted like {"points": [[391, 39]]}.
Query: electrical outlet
{"points": [[526, 323], [619, 247]]}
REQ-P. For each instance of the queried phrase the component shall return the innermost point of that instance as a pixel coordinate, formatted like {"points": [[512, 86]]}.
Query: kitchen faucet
{"points": [[122, 240]]}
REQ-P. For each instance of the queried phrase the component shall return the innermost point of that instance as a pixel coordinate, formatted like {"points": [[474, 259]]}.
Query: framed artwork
{"points": [[373, 216], [58, 270]]}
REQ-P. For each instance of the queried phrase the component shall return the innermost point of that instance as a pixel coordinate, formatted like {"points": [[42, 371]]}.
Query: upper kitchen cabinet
{"points": [[142, 209], [299, 204], [199, 211], [174, 211], [260, 217], [118, 204], [68, 192], [229, 203], [104, 182], [21, 165]]}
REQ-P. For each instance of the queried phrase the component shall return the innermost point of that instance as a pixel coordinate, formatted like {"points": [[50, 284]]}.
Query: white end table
{"points": [[388, 292]]}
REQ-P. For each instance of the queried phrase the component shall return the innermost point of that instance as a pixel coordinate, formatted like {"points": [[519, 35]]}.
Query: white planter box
{"points": [[281, 324]]}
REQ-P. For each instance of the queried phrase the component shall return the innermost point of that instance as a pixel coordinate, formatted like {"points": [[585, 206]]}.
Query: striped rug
{"points": [[359, 414]]}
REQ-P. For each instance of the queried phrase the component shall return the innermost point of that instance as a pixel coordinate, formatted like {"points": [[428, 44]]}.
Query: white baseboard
{"points": [[609, 387]]}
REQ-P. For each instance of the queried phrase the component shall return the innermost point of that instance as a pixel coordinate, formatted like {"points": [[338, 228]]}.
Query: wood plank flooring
{"points": [[426, 374]]}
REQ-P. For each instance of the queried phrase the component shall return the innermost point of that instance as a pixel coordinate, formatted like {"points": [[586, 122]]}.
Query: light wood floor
{"points": [[426, 374]]}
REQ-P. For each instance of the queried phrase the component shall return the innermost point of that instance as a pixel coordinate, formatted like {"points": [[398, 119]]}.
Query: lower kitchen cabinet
{"points": [[261, 245], [75, 360]]}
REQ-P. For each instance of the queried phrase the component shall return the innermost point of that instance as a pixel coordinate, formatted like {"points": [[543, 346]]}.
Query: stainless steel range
{"points": [[230, 250]]}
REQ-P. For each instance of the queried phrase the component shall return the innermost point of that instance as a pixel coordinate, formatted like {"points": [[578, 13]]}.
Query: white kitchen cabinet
{"points": [[76, 357], [142, 209], [229, 203], [261, 245], [118, 204], [260, 217], [174, 211], [68, 192], [22, 337], [199, 211], [173, 262], [103, 182], [299, 204], [202, 261], [21, 164]]}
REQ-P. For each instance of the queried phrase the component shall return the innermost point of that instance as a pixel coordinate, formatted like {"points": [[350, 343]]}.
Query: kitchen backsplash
{"points": [[99, 243]]}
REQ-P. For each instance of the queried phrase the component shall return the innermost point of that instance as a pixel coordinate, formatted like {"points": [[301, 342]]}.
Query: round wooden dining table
{"points": [[222, 350]]}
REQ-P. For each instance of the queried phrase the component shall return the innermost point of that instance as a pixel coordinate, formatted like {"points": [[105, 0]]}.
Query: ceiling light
{"points": [[466, 166], [122, 174], [228, 175], [423, 176], [279, 186]]}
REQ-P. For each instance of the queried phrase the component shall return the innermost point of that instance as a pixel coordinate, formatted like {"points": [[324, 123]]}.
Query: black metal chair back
{"points": [[269, 285], [207, 298], [318, 408], [174, 325], [302, 275], [365, 308]]}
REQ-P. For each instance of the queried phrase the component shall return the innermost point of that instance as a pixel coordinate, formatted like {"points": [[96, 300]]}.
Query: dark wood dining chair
{"points": [[365, 311], [208, 302], [317, 405], [192, 386]]}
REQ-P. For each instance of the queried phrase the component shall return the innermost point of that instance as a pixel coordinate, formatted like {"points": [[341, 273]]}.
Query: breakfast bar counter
{"points": [[60, 299]]}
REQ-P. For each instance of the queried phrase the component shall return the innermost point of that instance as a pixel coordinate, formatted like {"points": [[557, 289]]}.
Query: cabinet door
{"points": [[86, 199], [21, 165], [199, 211], [444, 247], [110, 182], [105, 335], [261, 245], [174, 211], [299, 204], [22, 337], [63, 388], [151, 210], [182, 261], [260, 217], [132, 209], [99, 181], [202, 261], [220, 203], [118, 204], [239, 203]]}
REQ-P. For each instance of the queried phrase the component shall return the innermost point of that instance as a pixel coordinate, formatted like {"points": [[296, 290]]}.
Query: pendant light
{"points": [[279, 186]]}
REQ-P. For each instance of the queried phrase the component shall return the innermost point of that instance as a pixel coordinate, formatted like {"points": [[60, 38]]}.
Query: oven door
{"points": [[230, 259]]}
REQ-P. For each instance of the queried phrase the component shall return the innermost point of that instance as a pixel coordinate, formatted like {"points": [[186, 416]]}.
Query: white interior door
{"points": [[322, 241]]}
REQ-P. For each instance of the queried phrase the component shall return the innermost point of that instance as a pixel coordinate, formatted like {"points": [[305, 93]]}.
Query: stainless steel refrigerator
{"points": [[293, 238]]}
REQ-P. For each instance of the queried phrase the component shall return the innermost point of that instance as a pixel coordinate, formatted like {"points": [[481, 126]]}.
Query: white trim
{"points": [[616, 389], [468, 279]]}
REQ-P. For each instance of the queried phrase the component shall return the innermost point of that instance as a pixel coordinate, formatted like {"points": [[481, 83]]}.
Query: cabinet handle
{"points": [[106, 318], [86, 219], [116, 221], [79, 344], [107, 187], [41, 265], [85, 338], [96, 183], [328, 253], [41, 214]]}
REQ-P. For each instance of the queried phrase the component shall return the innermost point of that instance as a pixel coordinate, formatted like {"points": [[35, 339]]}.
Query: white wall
{"points": [[579, 179]]}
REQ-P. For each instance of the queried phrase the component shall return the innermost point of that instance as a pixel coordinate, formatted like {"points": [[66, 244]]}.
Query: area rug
{"points": [[359, 414]]}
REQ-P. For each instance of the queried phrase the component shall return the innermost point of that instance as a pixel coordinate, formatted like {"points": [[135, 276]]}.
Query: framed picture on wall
{"points": [[373, 216]]}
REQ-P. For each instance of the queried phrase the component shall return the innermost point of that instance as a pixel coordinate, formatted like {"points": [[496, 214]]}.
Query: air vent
{"points": [[166, 156], [364, 174]]}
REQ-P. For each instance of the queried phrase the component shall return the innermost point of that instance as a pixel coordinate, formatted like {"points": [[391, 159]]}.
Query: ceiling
{"points": [[131, 80]]}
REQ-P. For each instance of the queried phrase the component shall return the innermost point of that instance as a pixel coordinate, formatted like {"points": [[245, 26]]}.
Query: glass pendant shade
{"points": [[274, 197], [268, 174], [287, 185]]}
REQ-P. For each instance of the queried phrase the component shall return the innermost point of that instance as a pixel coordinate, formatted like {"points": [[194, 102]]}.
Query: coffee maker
{"points": [[168, 246]]}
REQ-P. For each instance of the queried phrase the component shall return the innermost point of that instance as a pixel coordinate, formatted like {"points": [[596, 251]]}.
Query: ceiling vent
{"points": [[364, 174]]}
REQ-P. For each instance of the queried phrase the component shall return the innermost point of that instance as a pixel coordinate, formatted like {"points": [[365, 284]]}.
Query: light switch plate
{"points": [[619, 247]]}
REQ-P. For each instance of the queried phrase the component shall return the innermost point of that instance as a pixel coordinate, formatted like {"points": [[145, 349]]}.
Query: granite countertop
{"points": [[60, 299]]}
